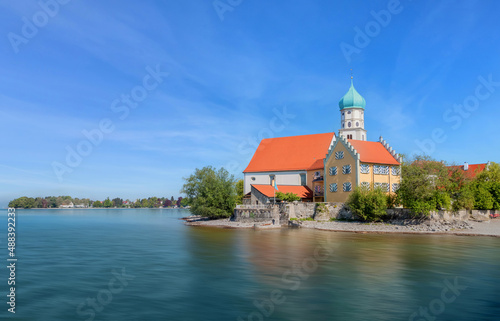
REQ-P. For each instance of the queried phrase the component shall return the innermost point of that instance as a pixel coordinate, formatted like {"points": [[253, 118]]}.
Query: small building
{"points": [[265, 194], [70, 205]]}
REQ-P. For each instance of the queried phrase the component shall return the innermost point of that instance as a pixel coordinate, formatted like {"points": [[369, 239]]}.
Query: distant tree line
{"points": [[58, 201]]}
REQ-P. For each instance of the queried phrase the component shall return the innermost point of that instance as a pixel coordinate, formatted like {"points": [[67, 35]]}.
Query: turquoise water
{"points": [[164, 270]]}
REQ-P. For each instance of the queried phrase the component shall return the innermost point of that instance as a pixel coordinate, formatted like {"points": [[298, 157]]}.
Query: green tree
{"points": [[239, 191], [38, 202], [288, 197], [483, 200], [23, 202], [107, 203], [423, 183], [212, 192], [368, 205], [52, 201], [464, 198], [144, 203], [118, 202], [490, 174], [185, 202], [97, 204]]}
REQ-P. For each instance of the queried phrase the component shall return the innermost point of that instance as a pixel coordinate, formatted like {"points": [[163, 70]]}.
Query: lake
{"points": [[145, 264]]}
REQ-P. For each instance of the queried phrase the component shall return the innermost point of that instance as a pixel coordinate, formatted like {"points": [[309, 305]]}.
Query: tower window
{"points": [[349, 112], [357, 124], [349, 124], [343, 125]]}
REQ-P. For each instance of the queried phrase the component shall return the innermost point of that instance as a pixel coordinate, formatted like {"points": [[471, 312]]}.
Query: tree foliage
{"points": [[428, 185], [212, 192], [368, 205], [288, 197], [239, 191], [424, 185]]}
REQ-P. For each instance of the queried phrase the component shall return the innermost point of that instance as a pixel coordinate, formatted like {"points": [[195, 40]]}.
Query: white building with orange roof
{"points": [[324, 167]]}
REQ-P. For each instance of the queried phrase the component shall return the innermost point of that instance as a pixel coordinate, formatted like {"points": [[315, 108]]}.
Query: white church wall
{"points": [[262, 178]]}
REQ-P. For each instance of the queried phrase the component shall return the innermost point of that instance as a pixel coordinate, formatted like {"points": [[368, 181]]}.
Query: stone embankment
{"points": [[471, 228]]}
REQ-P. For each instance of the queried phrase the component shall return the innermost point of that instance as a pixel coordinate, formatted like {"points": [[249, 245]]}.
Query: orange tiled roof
{"points": [[301, 191], [473, 170], [289, 153], [318, 164], [373, 152]]}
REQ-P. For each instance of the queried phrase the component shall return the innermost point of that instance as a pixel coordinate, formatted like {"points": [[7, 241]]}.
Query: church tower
{"points": [[352, 115]]}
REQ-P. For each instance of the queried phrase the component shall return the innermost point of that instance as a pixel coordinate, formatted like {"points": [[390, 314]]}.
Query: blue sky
{"points": [[227, 77]]}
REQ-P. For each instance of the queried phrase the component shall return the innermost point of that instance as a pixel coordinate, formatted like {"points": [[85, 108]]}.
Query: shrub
{"points": [[321, 208], [442, 200], [483, 200], [368, 205], [464, 199], [288, 197]]}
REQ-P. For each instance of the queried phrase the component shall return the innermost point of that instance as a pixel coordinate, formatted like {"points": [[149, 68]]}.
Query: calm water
{"points": [[164, 270]]}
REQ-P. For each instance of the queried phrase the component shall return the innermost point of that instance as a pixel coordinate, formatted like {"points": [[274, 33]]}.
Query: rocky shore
{"points": [[473, 228]]}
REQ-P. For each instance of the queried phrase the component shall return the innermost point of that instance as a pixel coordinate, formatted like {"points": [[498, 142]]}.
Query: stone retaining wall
{"points": [[248, 215], [327, 211]]}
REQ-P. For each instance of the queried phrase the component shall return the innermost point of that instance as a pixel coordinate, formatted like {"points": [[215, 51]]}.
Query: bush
{"points": [[464, 199], [288, 197], [483, 200], [368, 205], [442, 200]]}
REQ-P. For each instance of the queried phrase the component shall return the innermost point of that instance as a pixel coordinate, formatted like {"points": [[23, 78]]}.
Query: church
{"points": [[323, 167]]}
